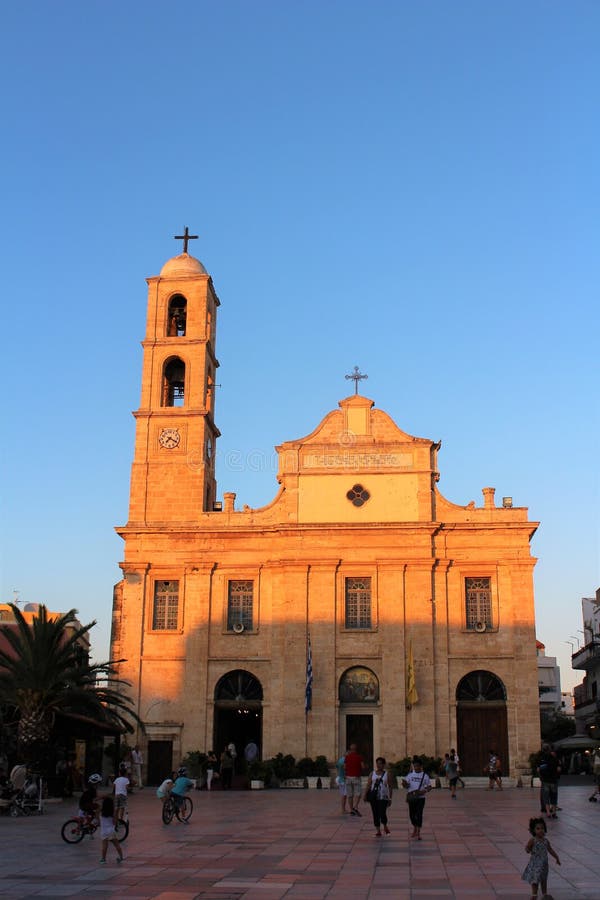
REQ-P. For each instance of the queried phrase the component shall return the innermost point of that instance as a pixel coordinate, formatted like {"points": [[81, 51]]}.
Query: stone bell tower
{"points": [[173, 474]]}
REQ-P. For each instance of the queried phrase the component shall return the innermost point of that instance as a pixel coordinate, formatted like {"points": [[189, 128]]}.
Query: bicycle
{"points": [[170, 809], [74, 830]]}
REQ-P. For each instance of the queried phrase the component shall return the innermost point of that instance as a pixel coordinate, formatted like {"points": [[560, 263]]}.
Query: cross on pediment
{"points": [[355, 377]]}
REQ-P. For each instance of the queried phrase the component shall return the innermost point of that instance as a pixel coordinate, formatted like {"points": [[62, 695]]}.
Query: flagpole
{"points": [[307, 690]]}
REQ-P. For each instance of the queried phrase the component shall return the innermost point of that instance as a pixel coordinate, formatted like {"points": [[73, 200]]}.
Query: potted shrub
{"points": [[306, 770], [259, 774], [323, 772], [285, 770], [195, 762]]}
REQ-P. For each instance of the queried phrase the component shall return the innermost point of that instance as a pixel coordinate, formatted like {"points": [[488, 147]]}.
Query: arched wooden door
{"points": [[481, 722]]}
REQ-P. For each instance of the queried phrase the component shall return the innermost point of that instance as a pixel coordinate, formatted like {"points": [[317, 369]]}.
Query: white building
{"points": [[548, 680], [587, 700]]}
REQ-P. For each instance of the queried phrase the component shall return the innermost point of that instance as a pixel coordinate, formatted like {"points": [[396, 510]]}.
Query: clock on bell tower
{"points": [[173, 475]]}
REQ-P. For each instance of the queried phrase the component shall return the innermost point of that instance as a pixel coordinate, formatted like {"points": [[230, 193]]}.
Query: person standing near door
{"points": [[137, 761], [226, 766], [353, 766]]}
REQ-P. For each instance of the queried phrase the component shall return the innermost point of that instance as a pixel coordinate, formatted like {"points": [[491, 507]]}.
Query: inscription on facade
{"points": [[353, 460]]}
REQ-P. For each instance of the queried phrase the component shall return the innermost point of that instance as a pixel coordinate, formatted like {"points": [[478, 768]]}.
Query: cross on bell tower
{"points": [[185, 237]]}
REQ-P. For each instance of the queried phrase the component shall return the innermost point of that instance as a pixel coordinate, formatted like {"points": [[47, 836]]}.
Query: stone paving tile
{"points": [[294, 844]]}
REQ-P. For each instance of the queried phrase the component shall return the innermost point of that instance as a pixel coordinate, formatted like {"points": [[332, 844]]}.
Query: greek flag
{"points": [[309, 678]]}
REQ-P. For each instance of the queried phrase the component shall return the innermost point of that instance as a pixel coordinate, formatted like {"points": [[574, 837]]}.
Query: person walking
{"points": [[379, 794], [341, 783], [549, 773], [536, 871], [418, 784], [457, 757], [494, 771], [451, 767], [107, 829], [596, 773]]}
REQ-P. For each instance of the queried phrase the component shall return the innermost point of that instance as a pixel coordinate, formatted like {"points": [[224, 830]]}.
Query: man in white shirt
{"points": [[120, 785], [137, 761]]}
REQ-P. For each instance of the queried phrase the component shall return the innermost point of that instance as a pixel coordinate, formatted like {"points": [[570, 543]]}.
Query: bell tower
{"points": [[173, 471]]}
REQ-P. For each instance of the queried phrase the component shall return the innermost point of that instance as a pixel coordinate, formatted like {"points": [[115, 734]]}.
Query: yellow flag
{"points": [[411, 685]]}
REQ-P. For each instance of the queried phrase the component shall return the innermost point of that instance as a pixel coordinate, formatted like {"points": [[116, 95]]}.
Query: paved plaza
{"points": [[296, 844]]}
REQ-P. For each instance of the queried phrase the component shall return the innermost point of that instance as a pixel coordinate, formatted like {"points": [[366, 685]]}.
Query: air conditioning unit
{"points": [[480, 627], [238, 627]]}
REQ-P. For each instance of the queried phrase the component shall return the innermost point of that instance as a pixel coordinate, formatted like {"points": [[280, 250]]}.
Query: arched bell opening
{"points": [[173, 386], [177, 316]]}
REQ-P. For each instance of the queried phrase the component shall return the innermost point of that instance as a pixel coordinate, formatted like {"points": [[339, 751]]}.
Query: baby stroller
{"points": [[25, 793]]}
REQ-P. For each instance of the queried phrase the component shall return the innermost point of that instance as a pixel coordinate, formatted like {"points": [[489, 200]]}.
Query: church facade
{"points": [[417, 614]]}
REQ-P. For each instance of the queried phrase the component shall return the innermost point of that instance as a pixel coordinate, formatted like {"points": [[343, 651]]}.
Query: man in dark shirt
{"points": [[549, 772]]}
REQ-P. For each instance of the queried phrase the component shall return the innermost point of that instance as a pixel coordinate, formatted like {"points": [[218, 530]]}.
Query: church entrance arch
{"points": [[359, 704], [481, 723], [238, 713]]}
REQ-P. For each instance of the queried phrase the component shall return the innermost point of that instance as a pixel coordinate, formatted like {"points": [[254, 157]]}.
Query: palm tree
{"points": [[44, 672]]}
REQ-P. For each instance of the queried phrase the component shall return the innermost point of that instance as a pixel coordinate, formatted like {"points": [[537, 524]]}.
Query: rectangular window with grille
{"points": [[240, 600], [165, 611], [478, 592], [358, 603]]}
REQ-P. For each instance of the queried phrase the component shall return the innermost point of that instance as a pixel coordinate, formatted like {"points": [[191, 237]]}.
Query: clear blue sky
{"points": [[408, 187]]}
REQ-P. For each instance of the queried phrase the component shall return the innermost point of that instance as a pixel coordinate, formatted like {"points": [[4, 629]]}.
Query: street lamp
{"points": [[572, 646], [575, 638]]}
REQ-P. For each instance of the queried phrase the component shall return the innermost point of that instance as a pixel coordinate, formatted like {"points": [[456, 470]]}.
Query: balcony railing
{"points": [[588, 657]]}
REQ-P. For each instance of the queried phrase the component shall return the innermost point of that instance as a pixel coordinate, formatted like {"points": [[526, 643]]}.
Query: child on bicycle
{"points": [[88, 804], [182, 785], [163, 792]]}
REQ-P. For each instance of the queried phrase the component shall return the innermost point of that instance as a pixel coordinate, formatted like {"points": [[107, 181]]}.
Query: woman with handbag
{"points": [[418, 784], [379, 794]]}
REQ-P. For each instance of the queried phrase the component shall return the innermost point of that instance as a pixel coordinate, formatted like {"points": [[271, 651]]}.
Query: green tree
{"points": [[44, 671], [556, 725]]}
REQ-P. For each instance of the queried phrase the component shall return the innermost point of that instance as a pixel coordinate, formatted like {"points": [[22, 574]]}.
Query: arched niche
{"points": [[359, 685]]}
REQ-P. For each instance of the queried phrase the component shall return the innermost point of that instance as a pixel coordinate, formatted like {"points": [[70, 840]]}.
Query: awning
{"points": [[576, 742]]}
